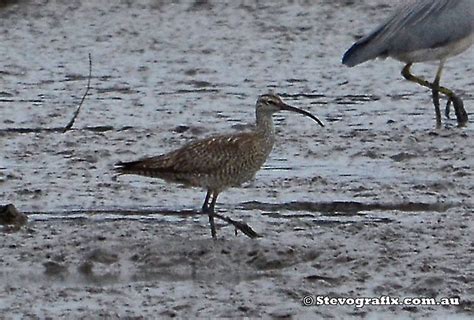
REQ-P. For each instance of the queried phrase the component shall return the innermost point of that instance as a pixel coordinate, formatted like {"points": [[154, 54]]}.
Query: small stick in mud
{"points": [[76, 113]]}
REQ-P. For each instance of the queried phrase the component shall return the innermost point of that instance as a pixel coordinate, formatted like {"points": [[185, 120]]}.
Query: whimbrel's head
{"points": [[270, 103]]}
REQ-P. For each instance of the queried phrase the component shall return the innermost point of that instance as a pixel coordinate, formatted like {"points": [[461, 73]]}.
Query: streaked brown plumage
{"points": [[219, 162]]}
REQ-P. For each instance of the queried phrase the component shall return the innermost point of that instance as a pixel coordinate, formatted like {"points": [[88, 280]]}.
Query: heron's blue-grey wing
{"points": [[421, 24]]}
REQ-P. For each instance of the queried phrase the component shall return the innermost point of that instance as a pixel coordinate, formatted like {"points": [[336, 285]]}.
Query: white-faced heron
{"points": [[219, 162], [419, 31]]}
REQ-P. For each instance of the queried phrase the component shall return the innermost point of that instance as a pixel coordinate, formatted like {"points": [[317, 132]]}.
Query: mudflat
{"points": [[377, 203]]}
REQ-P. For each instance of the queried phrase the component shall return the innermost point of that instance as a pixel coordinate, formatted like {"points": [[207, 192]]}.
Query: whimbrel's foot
{"points": [[246, 229], [243, 227]]}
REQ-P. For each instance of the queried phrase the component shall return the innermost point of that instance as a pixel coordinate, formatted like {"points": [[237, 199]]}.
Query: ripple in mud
{"points": [[346, 206], [340, 207]]}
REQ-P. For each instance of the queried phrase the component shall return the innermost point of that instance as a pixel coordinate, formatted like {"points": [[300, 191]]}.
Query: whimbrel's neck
{"points": [[265, 128]]}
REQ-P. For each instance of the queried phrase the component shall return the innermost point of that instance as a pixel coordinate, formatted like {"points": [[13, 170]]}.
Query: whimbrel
{"points": [[218, 162], [422, 30]]}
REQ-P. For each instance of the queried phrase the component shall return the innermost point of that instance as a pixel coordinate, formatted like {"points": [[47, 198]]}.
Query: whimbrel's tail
{"points": [[125, 167], [139, 167], [156, 167]]}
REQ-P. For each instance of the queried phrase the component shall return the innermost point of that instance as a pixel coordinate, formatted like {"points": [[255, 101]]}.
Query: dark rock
{"points": [[9, 215]]}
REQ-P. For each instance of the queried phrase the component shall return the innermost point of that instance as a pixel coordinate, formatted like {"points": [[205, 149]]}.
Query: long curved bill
{"points": [[285, 106]]}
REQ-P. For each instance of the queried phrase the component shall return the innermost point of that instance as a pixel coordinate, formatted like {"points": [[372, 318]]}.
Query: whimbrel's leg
{"points": [[205, 205], [209, 210], [458, 105], [211, 214]]}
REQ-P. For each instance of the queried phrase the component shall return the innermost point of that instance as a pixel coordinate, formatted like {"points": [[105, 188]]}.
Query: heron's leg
{"points": [[211, 214], [435, 93], [458, 105]]}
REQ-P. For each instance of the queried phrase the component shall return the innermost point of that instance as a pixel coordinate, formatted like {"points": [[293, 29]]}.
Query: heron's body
{"points": [[420, 31], [437, 53], [218, 162]]}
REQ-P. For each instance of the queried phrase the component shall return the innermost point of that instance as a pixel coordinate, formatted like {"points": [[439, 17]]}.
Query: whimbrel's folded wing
{"points": [[200, 157]]}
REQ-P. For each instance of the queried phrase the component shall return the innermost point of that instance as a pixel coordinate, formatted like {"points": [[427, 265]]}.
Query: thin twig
{"points": [[71, 123]]}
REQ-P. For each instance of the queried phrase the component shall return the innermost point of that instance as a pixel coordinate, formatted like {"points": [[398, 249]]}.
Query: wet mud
{"points": [[379, 202]]}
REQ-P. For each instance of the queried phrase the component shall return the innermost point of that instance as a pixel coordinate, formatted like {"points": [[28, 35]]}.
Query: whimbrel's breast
{"points": [[232, 172]]}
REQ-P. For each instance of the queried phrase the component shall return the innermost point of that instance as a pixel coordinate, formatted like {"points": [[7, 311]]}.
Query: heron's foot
{"points": [[461, 114], [447, 110], [458, 105]]}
